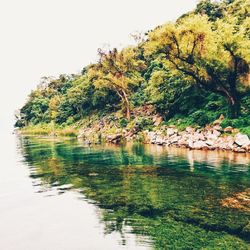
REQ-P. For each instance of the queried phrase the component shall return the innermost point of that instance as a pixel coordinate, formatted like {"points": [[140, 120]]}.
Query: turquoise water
{"points": [[140, 196]]}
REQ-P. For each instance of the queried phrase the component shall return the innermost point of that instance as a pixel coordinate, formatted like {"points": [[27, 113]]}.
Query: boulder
{"points": [[114, 138], [228, 129], [159, 140], [246, 147], [190, 143], [157, 120], [198, 136], [190, 130], [174, 139], [218, 143], [210, 142], [216, 133], [199, 145], [217, 128], [242, 140], [211, 136], [228, 143], [183, 142], [171, 131], [239, 150], [219, 120], [150, 137]]}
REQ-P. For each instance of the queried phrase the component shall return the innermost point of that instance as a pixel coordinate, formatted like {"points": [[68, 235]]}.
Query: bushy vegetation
{"points": [[192, 71], [50, 129]]}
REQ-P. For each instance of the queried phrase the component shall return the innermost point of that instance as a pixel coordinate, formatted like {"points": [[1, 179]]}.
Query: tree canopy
{"points": [[214, 55], [196, 65]]}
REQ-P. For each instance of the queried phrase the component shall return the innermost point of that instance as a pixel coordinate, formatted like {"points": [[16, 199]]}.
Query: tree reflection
{"points": [[151, 190]]}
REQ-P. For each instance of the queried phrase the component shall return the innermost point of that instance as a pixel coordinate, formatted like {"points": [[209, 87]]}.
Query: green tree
{"points": [[118, 71], [77, 101], [212, 9], [213, 55]]}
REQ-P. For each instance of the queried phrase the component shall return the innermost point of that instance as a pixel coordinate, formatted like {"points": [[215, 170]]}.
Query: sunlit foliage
{"points": [[197, 66]]}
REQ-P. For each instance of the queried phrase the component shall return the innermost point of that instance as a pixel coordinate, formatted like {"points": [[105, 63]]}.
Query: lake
{"points": [[62, 194]]}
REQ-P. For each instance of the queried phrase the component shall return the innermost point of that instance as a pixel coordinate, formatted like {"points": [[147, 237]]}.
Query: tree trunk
{"points": [[233, 99], [128, 113], [234, 107], [127, 105]]}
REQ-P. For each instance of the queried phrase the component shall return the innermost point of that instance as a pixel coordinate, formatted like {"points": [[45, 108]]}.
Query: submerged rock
{"points": [[239, 201]]}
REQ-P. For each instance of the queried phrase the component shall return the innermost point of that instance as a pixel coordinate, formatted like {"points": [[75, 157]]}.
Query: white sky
{"points": [[49, 37]]}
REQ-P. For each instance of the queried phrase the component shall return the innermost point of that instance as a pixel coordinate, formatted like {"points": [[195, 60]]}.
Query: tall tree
{"points": [[119, 71], [214, 55]]}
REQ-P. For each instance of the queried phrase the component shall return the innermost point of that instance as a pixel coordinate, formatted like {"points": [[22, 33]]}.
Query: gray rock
{"points": [[199, 145], [174, 139], [216, 133], [228, 129], [228, 143], [242, 140], [150, 136], [183, 142], [190, 143], [211, 136], [239, 150], [157, 120], [159, 141], [114, 138], [171, 131], [219, 120], [218, 128], [210, 142], [198, 136], [190, 129]]}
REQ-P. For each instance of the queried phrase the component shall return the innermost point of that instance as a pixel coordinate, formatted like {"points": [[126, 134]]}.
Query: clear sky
{"points": [[49, 37]]}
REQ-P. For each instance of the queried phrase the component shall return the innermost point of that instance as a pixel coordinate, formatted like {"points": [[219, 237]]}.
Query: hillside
{"points": [[182, 74]]}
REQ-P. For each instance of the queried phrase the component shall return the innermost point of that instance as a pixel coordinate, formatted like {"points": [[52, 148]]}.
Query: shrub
{"points": [[70, 120], [143, 123], [123, 122], [70, 132], [200, 117]]}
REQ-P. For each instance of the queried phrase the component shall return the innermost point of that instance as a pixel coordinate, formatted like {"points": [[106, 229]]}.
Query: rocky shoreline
{"points": [[148, 126], [209, 138]]}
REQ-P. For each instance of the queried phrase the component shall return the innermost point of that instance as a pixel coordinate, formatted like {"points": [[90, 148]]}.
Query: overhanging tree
{"points": [[213, 55]]}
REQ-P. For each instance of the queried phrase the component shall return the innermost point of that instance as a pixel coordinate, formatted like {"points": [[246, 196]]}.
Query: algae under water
{"points": [[167, 198]]}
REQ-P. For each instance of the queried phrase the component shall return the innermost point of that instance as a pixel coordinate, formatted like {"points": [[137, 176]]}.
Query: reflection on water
{"points": [[168, 198]]}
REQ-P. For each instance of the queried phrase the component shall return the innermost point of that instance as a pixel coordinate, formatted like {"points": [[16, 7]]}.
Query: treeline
{"points": [[192, 70]]}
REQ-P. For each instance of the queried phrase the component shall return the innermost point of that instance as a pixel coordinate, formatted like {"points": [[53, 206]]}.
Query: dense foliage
{"points": [[191, 70]]}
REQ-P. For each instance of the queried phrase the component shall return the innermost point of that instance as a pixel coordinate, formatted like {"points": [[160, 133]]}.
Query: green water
{"points": [[169, 198]]}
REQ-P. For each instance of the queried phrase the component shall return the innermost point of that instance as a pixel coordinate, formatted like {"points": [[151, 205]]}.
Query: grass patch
{"points": [[49, 129], [71, 132]]}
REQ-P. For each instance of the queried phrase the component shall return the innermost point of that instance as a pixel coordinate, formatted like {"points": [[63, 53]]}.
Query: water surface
{"points": [[125, 197]]}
